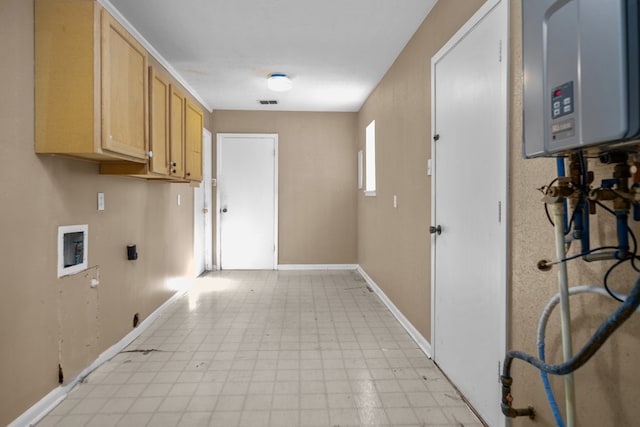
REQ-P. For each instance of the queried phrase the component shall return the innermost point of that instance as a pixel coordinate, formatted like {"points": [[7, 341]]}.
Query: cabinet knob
{"points": [[150, 154], [188, 173], [173, 171]]}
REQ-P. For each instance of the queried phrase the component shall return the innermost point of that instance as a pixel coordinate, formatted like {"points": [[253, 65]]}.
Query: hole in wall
{"points": [[136, 319], [545, 265]]}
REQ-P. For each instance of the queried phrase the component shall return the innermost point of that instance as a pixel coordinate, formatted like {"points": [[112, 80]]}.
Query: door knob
{"points": [[205, 210], [224, 210], [435, 230]]}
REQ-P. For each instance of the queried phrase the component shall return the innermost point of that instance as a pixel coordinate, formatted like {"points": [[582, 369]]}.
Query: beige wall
{"points": [[45, 320], [317, 181], [394, 244]]}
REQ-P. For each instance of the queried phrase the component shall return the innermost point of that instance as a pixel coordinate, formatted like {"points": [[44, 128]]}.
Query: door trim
{"points": [[219, 138], [204, 260], [484, 10]]}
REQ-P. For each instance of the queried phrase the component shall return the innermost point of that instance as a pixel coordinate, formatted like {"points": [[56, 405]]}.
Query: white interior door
{"points": [[469, 86], [202, 216], [247, 201]]}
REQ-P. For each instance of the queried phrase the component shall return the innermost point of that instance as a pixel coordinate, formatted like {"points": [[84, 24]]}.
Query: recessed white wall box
{"points": [[73, 245]]}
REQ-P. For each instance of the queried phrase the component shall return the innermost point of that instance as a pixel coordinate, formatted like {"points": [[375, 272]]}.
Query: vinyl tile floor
{"points": [[269, 348]]}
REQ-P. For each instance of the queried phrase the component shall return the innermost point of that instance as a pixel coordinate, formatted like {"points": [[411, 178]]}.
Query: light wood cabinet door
{"points": [[124, 91], [195, 124], [91, 83], [159, 99], [177, 108]]}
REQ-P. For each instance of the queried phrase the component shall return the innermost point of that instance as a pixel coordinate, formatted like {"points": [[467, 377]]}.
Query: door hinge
{"points": [[436, 137], [499, 212], [500, 51]]}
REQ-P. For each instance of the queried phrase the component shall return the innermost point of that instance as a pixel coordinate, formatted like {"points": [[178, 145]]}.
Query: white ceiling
{"points": [[335, 51]]}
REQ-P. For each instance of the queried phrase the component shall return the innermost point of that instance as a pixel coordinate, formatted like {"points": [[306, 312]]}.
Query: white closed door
{"points": [[469, 200], [247, 201]]}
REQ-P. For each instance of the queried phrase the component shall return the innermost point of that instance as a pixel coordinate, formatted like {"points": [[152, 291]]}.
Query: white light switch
{"points": [[179, 200], [395, 201], [100, 201]]}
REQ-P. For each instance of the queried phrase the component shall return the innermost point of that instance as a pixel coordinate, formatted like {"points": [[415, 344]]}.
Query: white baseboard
{"points": [[45, 405], [285, 267], [413, 332]]}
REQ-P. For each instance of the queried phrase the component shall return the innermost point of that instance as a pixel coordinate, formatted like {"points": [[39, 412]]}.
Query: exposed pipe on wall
{"points": [[565, 312]]}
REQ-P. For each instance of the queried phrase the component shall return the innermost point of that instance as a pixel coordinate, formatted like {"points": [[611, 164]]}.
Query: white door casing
{"points": [[247, 214], [469, 200], [202, 215], [207, 147]]}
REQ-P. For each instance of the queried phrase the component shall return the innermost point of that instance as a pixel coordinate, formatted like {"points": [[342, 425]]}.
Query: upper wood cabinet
{"points": [[193, 155], [91, 83], [168, 107], [158, 166]]}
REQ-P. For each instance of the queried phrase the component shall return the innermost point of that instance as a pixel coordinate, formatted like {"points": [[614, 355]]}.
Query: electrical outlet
{"points": [[100, 201]]}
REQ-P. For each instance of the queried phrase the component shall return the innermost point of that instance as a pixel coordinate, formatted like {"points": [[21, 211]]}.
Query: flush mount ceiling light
{"points": [[279, 82]]}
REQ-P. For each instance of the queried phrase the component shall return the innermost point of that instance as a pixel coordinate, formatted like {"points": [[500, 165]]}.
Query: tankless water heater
{"points": [[581, 63]]}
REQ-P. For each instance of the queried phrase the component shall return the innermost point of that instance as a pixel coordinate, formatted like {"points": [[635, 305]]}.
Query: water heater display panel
{"points": [[562, 100]]}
